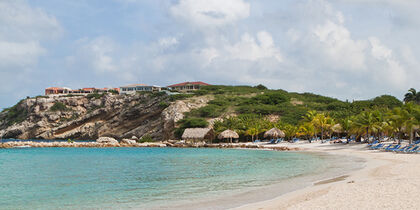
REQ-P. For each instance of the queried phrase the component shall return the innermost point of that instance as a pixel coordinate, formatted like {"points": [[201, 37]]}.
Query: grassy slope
{"points": [[289, 106]]}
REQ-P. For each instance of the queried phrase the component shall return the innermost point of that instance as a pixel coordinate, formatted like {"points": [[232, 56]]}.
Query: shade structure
{"points": [[198, 134], [274, 133], [228, 134], [337, 128]]}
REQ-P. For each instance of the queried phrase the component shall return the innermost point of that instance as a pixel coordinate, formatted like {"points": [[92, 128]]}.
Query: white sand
{"points": [[389, 181]]}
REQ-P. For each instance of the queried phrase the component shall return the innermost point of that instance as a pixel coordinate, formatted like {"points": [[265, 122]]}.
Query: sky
{"points": [[347, 49]]}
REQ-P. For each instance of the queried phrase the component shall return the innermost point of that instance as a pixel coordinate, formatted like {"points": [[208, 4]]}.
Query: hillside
{"points": [[159, 115]]}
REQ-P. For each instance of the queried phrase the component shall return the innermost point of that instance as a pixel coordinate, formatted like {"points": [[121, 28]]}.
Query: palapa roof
{"points": [[274, 132], [198, 133], [337, 128], [227, 134]]}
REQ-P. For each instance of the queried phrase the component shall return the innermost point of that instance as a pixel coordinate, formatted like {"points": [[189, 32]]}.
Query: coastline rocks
{"points": [[128, 141], [134, 138], [107, 140]]}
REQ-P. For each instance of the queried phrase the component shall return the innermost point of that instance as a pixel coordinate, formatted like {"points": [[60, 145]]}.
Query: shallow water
{"points": [[98, 178]]}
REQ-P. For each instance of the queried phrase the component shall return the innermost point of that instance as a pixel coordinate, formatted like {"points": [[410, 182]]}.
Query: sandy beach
{"points": [[388, 181]]}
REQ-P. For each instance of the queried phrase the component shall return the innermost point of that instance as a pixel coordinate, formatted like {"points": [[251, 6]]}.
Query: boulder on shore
{"points": [[134, 138], [128, 141], [107, 140]]}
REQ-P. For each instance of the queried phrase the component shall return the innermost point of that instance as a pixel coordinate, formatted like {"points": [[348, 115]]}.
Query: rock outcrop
{"points": [[107, 140], [91, 117]]}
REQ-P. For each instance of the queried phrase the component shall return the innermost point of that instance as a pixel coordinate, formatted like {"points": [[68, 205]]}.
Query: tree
{"points": [[323, 123], [412, 95], [367, 121]]}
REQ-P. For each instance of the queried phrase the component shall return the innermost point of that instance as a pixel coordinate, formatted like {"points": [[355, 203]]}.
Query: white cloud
{"points": [[204, 13], [22, 30], [20, 22], [99, 53], [338, 45], [168, 42], [19, 54], [393, 73], [249, 48]]}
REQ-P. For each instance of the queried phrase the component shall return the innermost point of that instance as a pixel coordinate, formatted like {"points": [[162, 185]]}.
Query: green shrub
{"points": [[58, 106], [158, 94], [210, 110], [179, 97], [95, 95], [145, 138], [15, 114], [163, 105], [114, 92], [193, 123], [261, 87]]}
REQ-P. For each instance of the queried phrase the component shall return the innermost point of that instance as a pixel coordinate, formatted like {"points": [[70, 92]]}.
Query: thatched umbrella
{"points": [[228, 134], [198, 134], [274, 133], [337, 128]]}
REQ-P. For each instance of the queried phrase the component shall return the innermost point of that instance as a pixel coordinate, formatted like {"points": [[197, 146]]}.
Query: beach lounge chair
{"points": [[395, 148], [379, 146], [388, 147], [403, 149], [295, 140], [257, 141], [371, 144], [414, 149]]}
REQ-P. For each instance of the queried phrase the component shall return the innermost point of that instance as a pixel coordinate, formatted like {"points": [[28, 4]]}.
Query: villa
{"points": [[188, 86], [64, 90], [57, 90], [130, 89]]}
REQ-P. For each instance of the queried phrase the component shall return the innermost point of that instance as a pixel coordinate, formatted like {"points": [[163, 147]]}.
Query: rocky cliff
{"points": [[93, 116]]}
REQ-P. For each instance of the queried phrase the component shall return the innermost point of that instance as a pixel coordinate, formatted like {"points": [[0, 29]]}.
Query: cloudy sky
{"points": [[348, 49]]}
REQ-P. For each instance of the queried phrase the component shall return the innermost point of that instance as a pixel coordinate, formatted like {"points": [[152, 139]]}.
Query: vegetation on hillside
{"points": [[15, 114], [247, 109]]}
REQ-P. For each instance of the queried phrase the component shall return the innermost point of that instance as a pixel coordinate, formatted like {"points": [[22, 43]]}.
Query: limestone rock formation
{"points": [[87, 117]]}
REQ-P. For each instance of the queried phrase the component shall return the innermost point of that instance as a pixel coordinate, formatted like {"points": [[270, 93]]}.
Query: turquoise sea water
{"points": [[122, 178]]}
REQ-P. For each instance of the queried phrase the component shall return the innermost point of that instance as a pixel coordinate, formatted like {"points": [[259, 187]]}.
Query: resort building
{"points": [[130, 89], [57, 90], [187, 86], [63, 90]]}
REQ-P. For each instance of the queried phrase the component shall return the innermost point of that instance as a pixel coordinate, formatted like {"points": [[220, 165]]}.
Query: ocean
{"points": [[148, 178]]}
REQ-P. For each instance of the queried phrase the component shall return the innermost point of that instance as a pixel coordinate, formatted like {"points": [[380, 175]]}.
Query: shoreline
{"points": [[388, 181], [279, 188]]}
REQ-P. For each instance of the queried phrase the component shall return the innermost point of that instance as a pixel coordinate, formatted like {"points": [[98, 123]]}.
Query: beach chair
{"points": [[395, 148], [257, 141], [388, 147], [413, 149], [403, 149], [371, 144], [295, 140], [379, 146]]}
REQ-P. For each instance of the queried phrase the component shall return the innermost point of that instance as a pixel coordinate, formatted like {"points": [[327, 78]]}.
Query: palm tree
{"points": [[322, 122], [408, 115], [346, 125], [412, 95], [366, 121], [253, 132]]}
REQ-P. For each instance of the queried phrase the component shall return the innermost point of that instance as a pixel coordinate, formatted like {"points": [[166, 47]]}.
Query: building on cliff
{"points": [[130, 89], [63, 90], [57, 90], [187, 86]]}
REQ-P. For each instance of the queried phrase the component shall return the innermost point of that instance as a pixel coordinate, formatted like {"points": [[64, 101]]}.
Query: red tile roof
{"points": [[54, 88], [189, 83]]}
